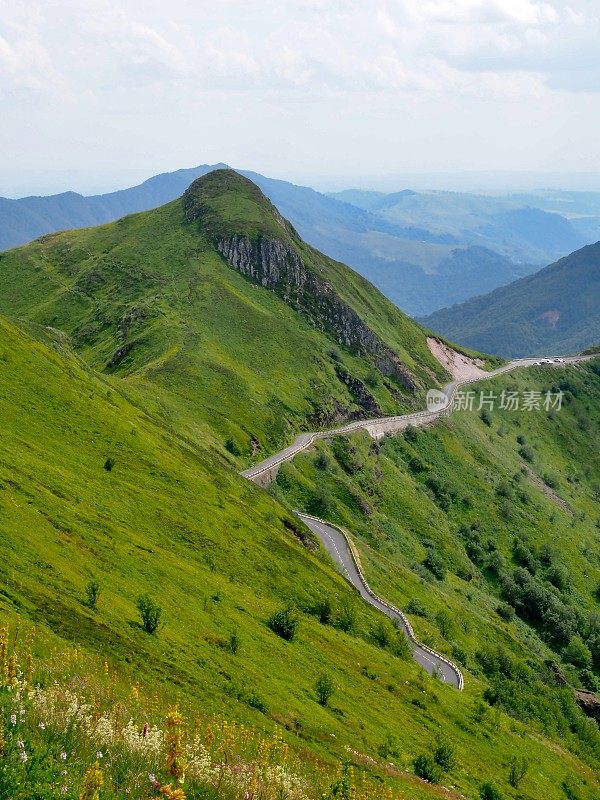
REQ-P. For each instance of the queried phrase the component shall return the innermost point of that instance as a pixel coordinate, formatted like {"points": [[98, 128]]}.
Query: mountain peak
{"points": [[226, 203]]}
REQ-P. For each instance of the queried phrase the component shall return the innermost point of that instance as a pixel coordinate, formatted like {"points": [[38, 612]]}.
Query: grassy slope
{"points": [[172, 520], [383, 493]]}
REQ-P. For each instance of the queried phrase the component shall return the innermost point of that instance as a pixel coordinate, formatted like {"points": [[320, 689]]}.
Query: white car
{"points": [[559, 361]]}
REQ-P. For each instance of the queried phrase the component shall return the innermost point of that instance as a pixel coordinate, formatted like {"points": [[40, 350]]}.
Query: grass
{"points": [[214, 357], [409, 496]]}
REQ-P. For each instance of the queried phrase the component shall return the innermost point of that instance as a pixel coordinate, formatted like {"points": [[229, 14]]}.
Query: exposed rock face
{"points": [[275, 265], [360, 393], [589, 703]]}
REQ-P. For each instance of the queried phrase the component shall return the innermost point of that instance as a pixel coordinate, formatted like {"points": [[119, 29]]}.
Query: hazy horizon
{"points": [[17, 184]]}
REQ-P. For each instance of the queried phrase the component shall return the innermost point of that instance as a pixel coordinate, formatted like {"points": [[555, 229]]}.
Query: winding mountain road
{"points": [[340, 547], [338, 542], [265, 471]]}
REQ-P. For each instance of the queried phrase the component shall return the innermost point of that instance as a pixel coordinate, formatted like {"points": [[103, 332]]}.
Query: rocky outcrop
{"points": [[274, 264], [360, 393], [589, 703]]}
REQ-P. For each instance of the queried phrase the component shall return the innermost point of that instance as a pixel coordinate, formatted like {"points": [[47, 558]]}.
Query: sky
{"points": [[97, 94]]}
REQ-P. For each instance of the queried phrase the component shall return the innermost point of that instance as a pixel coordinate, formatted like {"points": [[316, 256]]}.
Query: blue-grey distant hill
{"points": [[554, 311], [424, 251]]}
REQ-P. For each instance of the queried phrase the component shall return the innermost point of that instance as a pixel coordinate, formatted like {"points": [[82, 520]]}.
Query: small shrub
{"points": [[444, 755], [550, 480], [323, 611], [284, 623], [443, 620], [488, 791], [324, 689], [416, 607], [426, 768], [92, 593], [411, 434], [346, 620], [382, 633], [527, 454], [506, 612], [109, 464], [150, 613], [234, 643], [435, 564], [232, 447], [389, 747], [321, 461], [254, 701], [486, 417]]}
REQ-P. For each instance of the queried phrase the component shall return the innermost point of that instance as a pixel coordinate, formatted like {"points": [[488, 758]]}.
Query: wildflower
{"points": [[173, 740], [145, 730], [42, 726], [63, 789], [63, 756], [20, 744], [13, 719], [152, 777], [92, 783], [11, 674], [23, 756]]}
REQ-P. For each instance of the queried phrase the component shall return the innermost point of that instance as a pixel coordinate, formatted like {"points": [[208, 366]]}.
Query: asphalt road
{"points": [[417, 418], [336, 545]]}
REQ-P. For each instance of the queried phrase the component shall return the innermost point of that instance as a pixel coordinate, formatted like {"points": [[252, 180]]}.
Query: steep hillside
{"points": [[154, 358], [557, 310], [170, 299]]}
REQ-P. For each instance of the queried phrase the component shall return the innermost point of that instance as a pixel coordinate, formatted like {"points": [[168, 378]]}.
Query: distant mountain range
{"points": [[556, 310], [423, 250]]}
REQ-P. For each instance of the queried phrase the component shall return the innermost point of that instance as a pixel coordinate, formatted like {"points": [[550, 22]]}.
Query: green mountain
{"points": [[145, 363], [554, 311], [151, 299], [424, 251]]}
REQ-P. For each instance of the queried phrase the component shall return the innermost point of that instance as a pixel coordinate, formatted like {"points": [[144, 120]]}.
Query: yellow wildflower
{"points": [[92, 783], [174, 744]]}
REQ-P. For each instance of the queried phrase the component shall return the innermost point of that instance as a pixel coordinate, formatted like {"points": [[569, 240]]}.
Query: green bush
{"points": [[323, 610], [284, 623], [150, 613], [92, 593], [489, 792], [324, 688], [426, 768], [435, 564], [444, 755], [346, 619]]}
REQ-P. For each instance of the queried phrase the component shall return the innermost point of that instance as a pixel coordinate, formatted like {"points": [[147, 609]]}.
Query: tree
{"points": [[578, 653], [324, 688], [150, 613], [517, 770]]}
